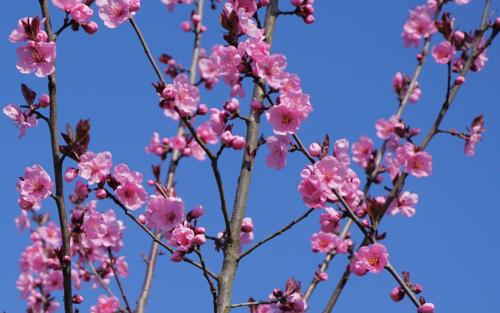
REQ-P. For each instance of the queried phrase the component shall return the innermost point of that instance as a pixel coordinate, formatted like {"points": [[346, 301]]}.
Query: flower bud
{"points": [[397, 294], [142, 219], [309, 19], [90, 27], [77, 299], [200, 239], [226, 138], [247, 225], [43, 101], [200, 230], [256, 105], [67, 259], [197, 212], [459, 80], [101, 194], [315, 149], [238, 143], [322, 276], [186, 26], [203, 28], [496, 26], [70, 174], [196, 18], [177, 256], [426, 308], [458, 36], [202, 109]]}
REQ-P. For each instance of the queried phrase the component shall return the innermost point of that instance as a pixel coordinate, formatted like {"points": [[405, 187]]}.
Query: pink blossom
{"points": [[462, 2], [443, 52], [21, 120], [315, 149], [312, 189], [405, 204], [362, 151], [370, 258], [164, 213], [391, 165], [474, 136], [35, 186], [50, 234], [323, 242], [426, 308], [81, 13], [182, 236], [95, 167], [70, 174], [115, 12], [155, 145], [401, 84], [385, 128], [103, 229], [171, 3], [257, 49], [52, 281], [480, 62], [278, 148], [25, 284], [183, 95], [23, 221], [66, 5], [207, 133], [250, 6], [38, 57], [272, 70], [418, 163], [246, 23], [196, 150], [106, 305], [19, 34], [341, 151], [329, 220], [130, 191], [420, 25]]}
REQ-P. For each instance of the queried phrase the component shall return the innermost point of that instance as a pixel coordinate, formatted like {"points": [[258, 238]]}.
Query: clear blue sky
{"points": [[346, 61]]}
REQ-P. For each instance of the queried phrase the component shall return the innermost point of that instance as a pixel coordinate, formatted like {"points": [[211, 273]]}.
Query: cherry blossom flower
{"points": [[115, 12], [130, 192], [418, 163], [401, 84], [246, 234], [35, 186], [278, 148], [171, 3], [404, 205], [81, 13], [271, 69], [385, 128], [66, 5], [420, 25], [106, 305], [21, 120], [22, 221], [20, 34], [474, 136], [182, 236], [95, 167], [329, 220], [443, 52], [103, 229], [38, 57], [362, 151], [370, 258], [426, 308], [164, 214], [323, 242]]}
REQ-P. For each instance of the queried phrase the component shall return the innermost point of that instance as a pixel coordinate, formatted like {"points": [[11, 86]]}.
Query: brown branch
{"points": [[231, 250], [276, 234], [58, 173], [252, 303], [211, 285], [99, 278], [112, 261]]}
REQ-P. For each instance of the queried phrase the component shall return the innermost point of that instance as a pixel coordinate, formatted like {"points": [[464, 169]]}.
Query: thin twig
{"points": [[252, 303], [211, 285], [276, 234], [117, 279], [99, 278]]}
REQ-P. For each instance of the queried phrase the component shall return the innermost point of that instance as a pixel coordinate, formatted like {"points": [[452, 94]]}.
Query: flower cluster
{"points": [[35, 186], [116, 12], [328, 239], [80, 12], [370, 258], [289, 300], [401, 84]]}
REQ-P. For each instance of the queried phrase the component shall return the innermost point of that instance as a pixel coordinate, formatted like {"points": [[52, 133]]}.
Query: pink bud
{"points": [[177, 256], [397, 294], [415, 131], [202, 109], [226, 138], [365, 223], [232, 106], [256, 105], [458, 36], [67, 259], [496, 26], [196, 18], [309, 9], [264, 3], [101, 194], [53, 264], [296, 2], [187, 151], [417, 288], [200, 239], [203, 28], [151, 182], [197, 212], [142, 219], [200, 230], [238, 143], [322, 276], [426, 308], [135, 5], [168, 92], [77, 299], [43, 101], [247, 225], [309, 19], [186, 26], [315, 149], [70, 174], [459, 80], [90, 27]]}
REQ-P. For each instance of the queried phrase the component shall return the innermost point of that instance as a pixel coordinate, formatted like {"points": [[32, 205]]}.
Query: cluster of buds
{"points": [[305, 10], [192, 26]]}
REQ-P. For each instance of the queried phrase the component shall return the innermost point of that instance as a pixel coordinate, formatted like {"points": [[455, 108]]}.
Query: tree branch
{"points": [[117, 279]]}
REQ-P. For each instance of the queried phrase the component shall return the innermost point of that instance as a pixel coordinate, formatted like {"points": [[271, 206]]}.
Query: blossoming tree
{"points": [[83, 243]]}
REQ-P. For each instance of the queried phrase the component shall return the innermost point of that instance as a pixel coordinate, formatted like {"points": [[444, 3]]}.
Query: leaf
{"points": [[28, 94]]}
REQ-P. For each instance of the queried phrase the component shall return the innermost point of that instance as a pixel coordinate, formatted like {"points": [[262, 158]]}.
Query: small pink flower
{"points": [[19, 34], [50, 234], [329, 220], [257, 49], [130, 191], [362, 151], [417, 163], [66, 5], [443, 52], [462, 2], [397, 294], [480, 61], [22, 221], [474, 136], [95, 167], [323, 242], [385, 128], [106, 305], [405, 204], [284, 119], [164, 214], [38, 57], [70, 174], [115, 12], [35, 186], [370, 258], [103, 229], [21, 120], [419, 25], [182, 236], [315, 149], [401, 84], [278, 148], [272, 70], [81, 13]]}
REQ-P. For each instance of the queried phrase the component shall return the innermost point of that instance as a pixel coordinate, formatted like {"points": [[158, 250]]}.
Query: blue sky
{"points": [[346, 61]]}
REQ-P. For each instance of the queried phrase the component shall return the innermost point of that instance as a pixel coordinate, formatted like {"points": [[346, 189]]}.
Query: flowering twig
{"points": [[99, 278], [252, 303], [58, 173]]}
